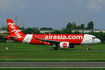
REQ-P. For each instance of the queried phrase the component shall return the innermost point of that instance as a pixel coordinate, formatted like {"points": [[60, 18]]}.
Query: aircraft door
{"points": [[86, 38]]}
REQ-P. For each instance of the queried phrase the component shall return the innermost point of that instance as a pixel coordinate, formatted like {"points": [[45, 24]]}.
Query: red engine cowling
{"points": [[64, 44]]}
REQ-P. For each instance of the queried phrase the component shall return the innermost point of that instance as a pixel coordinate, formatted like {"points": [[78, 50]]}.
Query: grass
{"points": [[22, 46], [27, 52], [52, 56]]}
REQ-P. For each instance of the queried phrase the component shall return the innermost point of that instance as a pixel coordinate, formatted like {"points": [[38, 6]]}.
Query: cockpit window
{"points": [[93, 38]]}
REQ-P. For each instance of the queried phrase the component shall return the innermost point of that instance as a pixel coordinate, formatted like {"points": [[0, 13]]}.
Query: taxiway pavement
{"points": [[52, 64]]}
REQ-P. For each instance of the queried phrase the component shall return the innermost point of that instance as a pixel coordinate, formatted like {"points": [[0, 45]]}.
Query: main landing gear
{"points": [[54, 48]]}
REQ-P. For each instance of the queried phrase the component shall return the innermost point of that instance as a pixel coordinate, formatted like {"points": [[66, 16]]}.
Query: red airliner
{"points": [[58, 40]]}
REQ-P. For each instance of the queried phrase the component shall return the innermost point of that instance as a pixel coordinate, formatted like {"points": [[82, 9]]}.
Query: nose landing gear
{"points": [[87, 47]]}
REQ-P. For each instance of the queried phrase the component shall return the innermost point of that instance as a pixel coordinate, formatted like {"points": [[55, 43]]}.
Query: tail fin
{"points": [[13, 29]]}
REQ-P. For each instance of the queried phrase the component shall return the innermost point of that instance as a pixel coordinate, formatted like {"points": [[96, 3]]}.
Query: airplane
{"points": [[58, 40]]}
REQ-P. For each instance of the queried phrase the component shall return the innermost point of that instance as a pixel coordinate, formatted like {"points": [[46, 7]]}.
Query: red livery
{"points": [[58, 40]]}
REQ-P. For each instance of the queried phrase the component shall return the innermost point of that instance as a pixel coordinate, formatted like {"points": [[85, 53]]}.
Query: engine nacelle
{"points": [[66, 45]]}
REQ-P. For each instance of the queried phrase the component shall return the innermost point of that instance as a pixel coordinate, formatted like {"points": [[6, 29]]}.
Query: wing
{"points": [[50, 41]]}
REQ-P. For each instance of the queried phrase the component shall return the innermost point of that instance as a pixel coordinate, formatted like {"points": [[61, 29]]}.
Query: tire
{"points": [[56, 48], [52, 48]]}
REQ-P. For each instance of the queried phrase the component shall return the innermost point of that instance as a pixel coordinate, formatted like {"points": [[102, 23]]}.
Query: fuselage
{"points": [[75, 39]]}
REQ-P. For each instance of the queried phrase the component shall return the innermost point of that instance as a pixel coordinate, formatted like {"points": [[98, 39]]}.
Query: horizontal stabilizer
{"points": [[11, 37]]}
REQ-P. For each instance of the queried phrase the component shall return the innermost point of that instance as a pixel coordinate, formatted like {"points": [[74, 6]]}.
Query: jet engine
{"points": [[66, 45]]}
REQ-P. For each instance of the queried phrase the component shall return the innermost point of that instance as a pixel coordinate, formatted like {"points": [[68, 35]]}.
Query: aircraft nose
{"points": [[98, 40]]}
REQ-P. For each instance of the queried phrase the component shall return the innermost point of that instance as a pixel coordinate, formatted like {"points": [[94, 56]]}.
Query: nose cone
{"points": [[98, 41]]}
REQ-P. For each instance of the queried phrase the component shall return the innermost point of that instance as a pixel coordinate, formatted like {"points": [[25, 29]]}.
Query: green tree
{"points": [[82, 26], [46, 28], [69, 25], [56, 32], [78, 27], [63, 31], [3, 28], [74, 25], [43, 28], [22, 28], [49, 28], [90, 25], [2, 40], [36, 29], [66, 31], [28, 31]]}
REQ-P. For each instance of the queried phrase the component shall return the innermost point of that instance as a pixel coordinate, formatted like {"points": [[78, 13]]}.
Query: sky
{"points": [[53, 13]]}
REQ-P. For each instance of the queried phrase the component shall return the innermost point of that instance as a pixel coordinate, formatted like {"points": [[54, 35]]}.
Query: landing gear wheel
{"points": [[87, 47], [56, 48], [52, 48]]}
